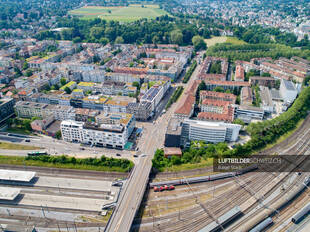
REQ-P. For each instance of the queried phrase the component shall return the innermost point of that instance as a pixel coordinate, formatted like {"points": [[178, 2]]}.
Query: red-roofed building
{"points": [[217, 96], [239, 74], [186, 108], [131, 70], [226, 84]]}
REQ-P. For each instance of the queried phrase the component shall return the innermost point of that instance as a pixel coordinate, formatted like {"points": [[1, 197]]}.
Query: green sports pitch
{"points": [[123, 14]]}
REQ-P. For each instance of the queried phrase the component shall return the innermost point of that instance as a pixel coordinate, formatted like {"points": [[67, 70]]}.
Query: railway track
{"points": [[216, 207], [296, 149], [193, 221], [71, 173]]}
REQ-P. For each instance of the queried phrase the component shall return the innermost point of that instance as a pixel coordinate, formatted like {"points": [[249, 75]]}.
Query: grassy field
{"points": [[223, 39], [13, 146], [19, 160], [176, 168], [123, 14]]}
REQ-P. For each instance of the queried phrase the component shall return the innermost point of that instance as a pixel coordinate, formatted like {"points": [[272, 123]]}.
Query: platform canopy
{"points": [[13, 175], [8, 193]]}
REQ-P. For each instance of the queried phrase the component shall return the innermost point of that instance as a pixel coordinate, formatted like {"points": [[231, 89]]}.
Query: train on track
{"points": [[274, 208], [223, 220], [203, 178], [301, 214], [263, 225]]}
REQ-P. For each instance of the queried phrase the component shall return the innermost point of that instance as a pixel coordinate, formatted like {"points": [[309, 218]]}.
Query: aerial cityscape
{"points": [[152, 115]]}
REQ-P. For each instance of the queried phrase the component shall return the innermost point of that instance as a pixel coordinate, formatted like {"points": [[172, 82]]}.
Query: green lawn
{"points": [[19, 160], [223, 39], [124, 14], [13, 146], [235, 40], [176, 168]]}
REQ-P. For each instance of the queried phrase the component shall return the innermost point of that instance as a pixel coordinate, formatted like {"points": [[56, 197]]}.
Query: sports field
{"points": [[223, 39], [123, 14]]}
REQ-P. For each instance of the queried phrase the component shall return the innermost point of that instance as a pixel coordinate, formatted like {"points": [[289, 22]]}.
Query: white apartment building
{"points": [[110, 130], [72, 131], [25, 109]]}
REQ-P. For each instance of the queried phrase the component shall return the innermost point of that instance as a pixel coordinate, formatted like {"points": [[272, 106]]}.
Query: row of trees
{"points": [[189, 73], [249, 51], [257, 34], [175, 96], [102, 161]]}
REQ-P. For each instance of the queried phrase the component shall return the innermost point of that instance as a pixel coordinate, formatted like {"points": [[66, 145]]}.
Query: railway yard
{"points": [[258, 195], [54, 199]]}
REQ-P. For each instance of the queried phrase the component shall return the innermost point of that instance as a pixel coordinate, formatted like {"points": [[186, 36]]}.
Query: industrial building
{"points": [[288, 91], [109, 130]]}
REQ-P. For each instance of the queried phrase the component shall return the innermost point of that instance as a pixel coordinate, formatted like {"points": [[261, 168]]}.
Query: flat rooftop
{"points": [[12, 175], [8, 193]]}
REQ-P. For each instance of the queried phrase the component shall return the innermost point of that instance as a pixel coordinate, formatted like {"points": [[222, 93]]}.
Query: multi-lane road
{"points": [[133, 191]]}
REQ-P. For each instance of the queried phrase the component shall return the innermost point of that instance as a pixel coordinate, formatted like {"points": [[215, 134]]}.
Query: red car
{"points": [[156, 189]]}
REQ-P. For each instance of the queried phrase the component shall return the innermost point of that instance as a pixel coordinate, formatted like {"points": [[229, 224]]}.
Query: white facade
{"points": [[107, 135], [288, 91], [72, 131], [214, 132], [93, 76]]}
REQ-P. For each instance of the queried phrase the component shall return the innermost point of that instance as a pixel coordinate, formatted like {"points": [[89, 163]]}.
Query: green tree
{"points": [[176, 37], [77, 39], [17, 71], [63, 81], [27, 124], [96, 32], [58, 135], [104, 41], [68, 90], [306, 80], [219, 89], [29, 73], [25, 65], [199, 43], [239, 121], [155, 39], [119, 40], [265, 74], [136, 84]]}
